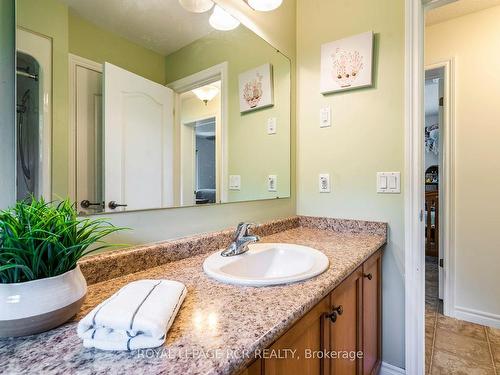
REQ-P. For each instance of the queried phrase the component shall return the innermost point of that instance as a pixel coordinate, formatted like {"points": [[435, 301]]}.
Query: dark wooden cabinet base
{"points": [[341, 335]]}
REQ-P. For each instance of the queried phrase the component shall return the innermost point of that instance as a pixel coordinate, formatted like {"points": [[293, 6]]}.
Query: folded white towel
{"points": [[138, 316]]}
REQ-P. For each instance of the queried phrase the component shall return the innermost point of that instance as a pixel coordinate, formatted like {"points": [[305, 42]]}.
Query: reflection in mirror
{"points": [[141, 105], [199, 116]]}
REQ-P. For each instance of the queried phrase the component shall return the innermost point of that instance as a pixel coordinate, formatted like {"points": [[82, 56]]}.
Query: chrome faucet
{"points": [[241, 240]]}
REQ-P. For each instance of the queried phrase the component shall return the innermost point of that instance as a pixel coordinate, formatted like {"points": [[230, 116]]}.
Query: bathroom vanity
{"points": [[229, 329], [339, 335]]}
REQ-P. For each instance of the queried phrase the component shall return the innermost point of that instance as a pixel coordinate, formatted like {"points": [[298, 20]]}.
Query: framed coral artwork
{"points": [[256, 88], [347, 63]]}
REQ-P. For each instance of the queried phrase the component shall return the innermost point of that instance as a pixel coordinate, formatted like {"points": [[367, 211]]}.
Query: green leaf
{"points": [[41, 239]]}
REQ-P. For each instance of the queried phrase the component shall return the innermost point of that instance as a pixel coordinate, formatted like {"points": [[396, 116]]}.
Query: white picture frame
{"points": [[347, 63], [256, 89]]}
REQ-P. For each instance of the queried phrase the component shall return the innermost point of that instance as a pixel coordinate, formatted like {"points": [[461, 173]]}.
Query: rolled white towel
{"points": [[138, 316]]}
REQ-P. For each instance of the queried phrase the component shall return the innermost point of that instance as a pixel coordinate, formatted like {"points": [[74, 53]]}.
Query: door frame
{"points": [[414, 199], [75, 61], [204, 77]]}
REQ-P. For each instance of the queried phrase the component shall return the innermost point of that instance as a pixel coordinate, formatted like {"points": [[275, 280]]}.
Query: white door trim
{"points": [[75, 61], [447, 186], [414, 189], [414, 184], [209, 75]]}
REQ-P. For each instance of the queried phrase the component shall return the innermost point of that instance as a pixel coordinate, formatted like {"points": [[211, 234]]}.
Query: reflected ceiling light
{"points": [[222, 20], [264, 5], [197, 6], [206, 93]]}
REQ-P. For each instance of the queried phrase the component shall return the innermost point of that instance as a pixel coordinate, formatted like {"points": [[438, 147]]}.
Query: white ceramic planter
{"points": [[39, 305]]}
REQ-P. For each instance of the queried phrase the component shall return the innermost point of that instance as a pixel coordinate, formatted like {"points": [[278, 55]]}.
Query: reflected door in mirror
{"points": [[138, 144]]}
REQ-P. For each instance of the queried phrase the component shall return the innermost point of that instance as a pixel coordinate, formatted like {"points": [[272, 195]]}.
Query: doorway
{"points": [[28, 129], [205, 160], [433, 151], [466, 325], [199, 89], [34, 115], [199, 144]]}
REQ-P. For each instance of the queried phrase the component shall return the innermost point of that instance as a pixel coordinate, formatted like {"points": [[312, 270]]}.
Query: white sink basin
{"points": [[267, 264]]}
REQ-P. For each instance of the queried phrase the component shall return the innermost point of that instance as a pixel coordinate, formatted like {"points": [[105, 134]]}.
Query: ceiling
{"points": [[161, 25], [457, 9]]}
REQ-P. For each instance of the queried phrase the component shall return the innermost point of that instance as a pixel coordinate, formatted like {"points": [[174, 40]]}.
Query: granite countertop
{"points": [[219, 326]]}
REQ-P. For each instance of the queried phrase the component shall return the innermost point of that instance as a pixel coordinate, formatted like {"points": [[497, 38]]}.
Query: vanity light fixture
{"points": [[264, 5], [206, 93], [222, 20], [197, 6]]}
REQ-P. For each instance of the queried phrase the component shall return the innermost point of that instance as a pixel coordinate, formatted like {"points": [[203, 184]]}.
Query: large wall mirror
{"points": [[135, 105]]}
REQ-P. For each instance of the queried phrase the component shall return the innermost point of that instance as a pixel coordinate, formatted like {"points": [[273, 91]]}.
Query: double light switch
{"points": [[389, 182]]}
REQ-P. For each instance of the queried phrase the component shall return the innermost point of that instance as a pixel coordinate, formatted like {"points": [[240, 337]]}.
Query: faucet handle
{"points": [[242, 229]]}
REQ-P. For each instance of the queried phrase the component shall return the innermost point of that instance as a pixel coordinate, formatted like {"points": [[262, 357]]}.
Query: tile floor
{"points": [[453, 346]]}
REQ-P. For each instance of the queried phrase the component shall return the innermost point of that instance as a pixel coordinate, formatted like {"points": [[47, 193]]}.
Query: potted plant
{"points": [[41, 285]]}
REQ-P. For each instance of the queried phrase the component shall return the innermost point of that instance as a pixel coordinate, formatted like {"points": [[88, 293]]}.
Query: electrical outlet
{"points": [[271, 125], [235, 182], [324, 183], [272, 182], [325, 117]]}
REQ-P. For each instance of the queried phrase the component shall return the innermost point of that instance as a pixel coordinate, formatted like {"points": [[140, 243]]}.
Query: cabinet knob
{"points": [[368, 276], [339, 310]]}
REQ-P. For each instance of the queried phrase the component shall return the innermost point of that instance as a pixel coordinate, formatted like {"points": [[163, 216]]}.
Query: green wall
{"points": [[366, 137], [253, 153], [94, 43]]}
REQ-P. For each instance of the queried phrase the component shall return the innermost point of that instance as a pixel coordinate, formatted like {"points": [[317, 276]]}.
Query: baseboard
{"points": [[478, 317], [387, 369]]}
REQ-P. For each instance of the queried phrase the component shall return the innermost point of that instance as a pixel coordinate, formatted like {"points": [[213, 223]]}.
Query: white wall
{"points": [[473, 41], [7, 104], [366, 136]]}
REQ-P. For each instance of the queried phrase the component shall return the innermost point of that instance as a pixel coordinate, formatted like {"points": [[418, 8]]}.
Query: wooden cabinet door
{"points": [[254, 369], [372, 333], [306, 336], [345, 327]]}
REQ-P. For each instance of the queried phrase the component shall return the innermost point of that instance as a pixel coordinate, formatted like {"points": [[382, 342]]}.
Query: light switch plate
{"points": [[272, 182], [324, 183], [325, 117], [389, 182], [271, 125], [235, 182]]}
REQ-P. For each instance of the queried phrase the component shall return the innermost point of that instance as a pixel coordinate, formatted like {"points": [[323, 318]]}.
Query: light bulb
{"points": [[222, 20], [264, 5], [197, 6]]}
